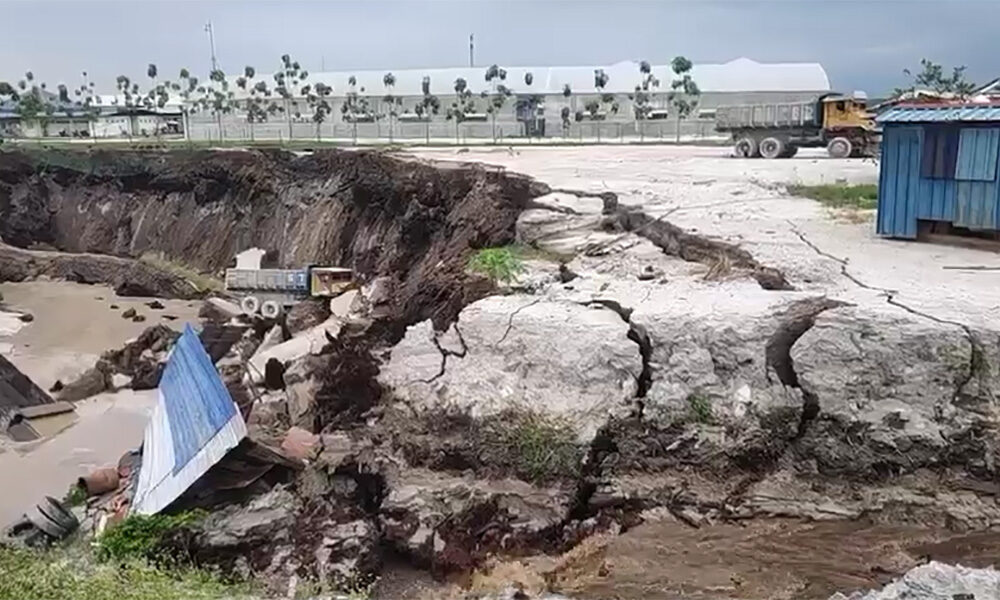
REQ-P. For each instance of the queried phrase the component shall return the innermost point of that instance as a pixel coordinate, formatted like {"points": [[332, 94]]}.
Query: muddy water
{"points": [[73, 324], [773, 559]]}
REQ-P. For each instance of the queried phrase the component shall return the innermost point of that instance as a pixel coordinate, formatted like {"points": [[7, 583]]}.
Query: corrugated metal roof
{"points": [[937, 114], [195, 423], [740, 75]]}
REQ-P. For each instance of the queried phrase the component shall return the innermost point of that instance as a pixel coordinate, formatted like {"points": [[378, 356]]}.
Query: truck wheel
{"points": [[250, 305], [772, 147], [790, 151], [839, 147], [746, 147], [270, 310]]}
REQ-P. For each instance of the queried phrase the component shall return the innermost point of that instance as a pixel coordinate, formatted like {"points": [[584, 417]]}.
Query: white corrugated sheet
{"points": [[193, 393]]}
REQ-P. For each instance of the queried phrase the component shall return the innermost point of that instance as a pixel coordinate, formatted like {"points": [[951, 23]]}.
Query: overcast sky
{"points": [[862, 44]]}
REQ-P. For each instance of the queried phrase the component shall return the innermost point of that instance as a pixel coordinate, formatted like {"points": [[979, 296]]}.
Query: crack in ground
{"points": [[695, 248], [976, 352], [510, 320], [638, 334], [445, 353]]}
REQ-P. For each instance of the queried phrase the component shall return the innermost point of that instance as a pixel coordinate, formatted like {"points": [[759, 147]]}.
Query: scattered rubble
{"points": [[936, 580]]}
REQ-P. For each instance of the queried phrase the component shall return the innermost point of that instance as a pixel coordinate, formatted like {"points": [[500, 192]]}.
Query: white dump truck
{"points": [[271, 291]]}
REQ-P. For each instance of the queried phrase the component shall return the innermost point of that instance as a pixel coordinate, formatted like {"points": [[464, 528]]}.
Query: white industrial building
{"points": [[739, 81]]}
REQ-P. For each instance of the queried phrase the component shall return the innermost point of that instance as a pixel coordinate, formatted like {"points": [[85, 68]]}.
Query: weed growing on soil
{"points": [[75, 495], [863, 196], [201, 281], [54, 575], [701, 407], [499, 264], [139, 536], [534, 447]]}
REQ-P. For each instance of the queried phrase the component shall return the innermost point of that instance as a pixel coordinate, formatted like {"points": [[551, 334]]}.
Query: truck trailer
{"points": [[778, 129], [270, 291]]}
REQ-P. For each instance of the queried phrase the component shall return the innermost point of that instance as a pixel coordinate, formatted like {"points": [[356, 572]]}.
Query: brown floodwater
{"points": [[73, 325]]}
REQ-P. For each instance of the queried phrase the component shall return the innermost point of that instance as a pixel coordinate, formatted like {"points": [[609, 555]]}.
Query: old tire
{"points": [[746, 147], [250, 305], [839, 147], [270, 310], [772, 147]]}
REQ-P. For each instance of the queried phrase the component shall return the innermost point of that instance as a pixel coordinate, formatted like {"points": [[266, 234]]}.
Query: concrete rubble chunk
{"points": [[936, 580], [308, 342], [894, 377], [522, 353]]}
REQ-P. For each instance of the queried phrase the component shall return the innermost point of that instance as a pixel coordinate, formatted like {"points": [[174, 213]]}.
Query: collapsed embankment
{"points": [[378, 215], [657, 369]]}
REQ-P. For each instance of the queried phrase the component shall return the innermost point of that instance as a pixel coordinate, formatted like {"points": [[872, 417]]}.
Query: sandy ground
{"points": [[73, 324], [743, 201]]}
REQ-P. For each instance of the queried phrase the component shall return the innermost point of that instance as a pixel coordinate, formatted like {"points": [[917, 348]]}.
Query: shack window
{"points": [[940, 152], [977, 154]]}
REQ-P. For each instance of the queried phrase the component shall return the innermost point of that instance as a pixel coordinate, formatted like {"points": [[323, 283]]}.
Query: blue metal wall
{"points": [[905, 196]]}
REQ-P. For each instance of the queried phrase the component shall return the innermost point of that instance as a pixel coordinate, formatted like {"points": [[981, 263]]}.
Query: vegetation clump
{"points": [[140, 536], [502, 265], [862, 196], [533, 447]]}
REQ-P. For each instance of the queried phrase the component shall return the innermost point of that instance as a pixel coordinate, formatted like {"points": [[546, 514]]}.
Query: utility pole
{"points": [[211, 42], [471, 47]]}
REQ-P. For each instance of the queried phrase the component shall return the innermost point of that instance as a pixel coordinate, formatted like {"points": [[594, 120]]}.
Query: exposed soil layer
{"points": [[379, 215], [127, 276]]}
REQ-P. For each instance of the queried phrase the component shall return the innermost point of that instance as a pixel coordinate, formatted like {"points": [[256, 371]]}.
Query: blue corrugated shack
{"points": [[939, 165]]}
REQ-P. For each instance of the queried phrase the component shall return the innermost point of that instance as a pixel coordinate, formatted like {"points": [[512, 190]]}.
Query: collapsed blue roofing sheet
{"points": [[194, 425], [940, 114]]}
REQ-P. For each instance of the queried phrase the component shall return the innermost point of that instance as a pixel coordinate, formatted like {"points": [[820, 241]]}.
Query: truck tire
{"points": [[270, 310], [746, 147], [839, 147], [790, 151], [250, 305], [772, 147]]}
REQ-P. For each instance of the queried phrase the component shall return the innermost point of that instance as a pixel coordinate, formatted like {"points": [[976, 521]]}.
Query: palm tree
{"points": [[389, 81], [286, 82], [685, 92], [319, 104], [500, 93], [566, 92], [429, 105], [643, 96], [355, 106], [462, 106]]}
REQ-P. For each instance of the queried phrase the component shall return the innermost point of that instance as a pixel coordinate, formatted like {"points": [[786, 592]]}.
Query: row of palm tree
{"points": [[292, 93]]}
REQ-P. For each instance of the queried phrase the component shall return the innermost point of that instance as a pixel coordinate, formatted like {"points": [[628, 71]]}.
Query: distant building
{"points": [[741, 81]]}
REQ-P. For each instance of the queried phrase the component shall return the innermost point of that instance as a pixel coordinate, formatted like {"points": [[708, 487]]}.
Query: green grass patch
{"points": [[201, 281], [700, 407], [533, 447], [502, 265], [56, 575], [139, 536], [75, 495], [840, 195]]}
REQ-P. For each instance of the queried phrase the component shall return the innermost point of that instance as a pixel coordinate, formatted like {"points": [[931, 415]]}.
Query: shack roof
{"points": [[194, 425], [942, 113]]}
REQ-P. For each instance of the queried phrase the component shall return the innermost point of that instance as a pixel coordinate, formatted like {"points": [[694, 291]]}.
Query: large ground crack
{"points": [[976, 345], [446, 352], [638, 334], [695, 248], [795, 322]]}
